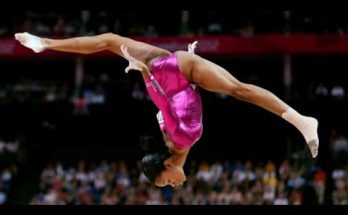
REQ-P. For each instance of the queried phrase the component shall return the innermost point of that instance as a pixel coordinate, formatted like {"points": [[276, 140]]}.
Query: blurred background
{"points": [[70, 124]]}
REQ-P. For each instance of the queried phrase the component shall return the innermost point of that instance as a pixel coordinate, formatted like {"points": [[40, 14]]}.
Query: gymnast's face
{"points": [[173, 175]]}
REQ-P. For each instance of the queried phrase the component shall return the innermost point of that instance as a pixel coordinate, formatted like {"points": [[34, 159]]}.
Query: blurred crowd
{"points": [[208, 183], [10, 157], [290, 182], [245, 23], [36, 91], [223, 182]]}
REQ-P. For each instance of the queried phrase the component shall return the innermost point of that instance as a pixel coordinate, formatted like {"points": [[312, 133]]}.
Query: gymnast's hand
{"points": [[30, 41], [133, 63]]}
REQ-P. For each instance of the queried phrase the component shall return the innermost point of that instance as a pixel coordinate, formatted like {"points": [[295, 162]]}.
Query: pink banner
{"points": [[214, 45]]}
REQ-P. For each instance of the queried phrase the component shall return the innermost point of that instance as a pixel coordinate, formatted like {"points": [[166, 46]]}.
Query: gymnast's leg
{"points": [[214, 78], [91, 44]]}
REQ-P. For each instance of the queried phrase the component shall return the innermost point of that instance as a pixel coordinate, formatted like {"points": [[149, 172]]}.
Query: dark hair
{"points": [[156, 154]]}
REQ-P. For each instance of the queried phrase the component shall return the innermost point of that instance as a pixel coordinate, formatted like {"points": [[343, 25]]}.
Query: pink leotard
{"points": [[178, 100]]}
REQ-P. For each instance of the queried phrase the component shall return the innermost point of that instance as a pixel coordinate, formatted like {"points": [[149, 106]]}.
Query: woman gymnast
{"points": [[171, 80]]}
